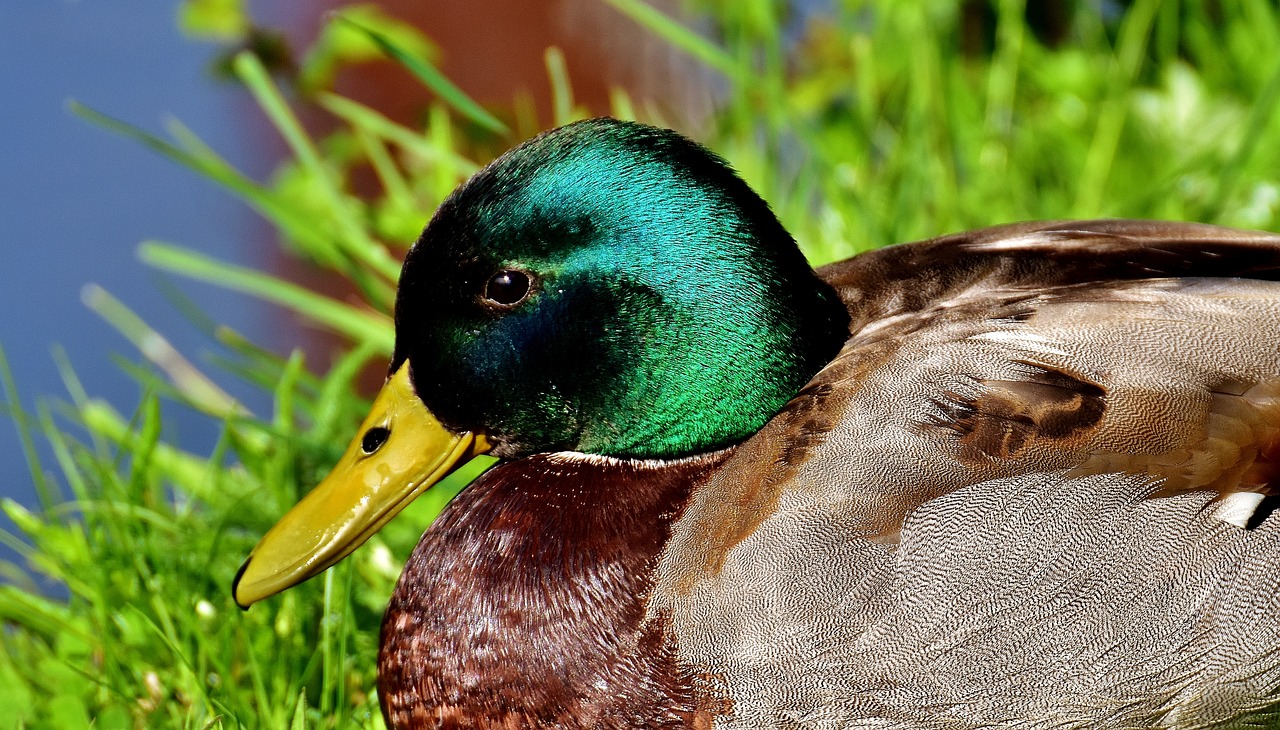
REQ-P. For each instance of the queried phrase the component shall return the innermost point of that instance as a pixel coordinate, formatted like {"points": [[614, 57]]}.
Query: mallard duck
{"points": [[1022, 477]]}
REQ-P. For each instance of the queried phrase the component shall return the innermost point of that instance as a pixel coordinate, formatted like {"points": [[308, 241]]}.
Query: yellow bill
{"points": [[400, 451]]}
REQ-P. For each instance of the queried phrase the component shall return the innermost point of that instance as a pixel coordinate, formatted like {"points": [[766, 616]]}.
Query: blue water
{"points": [[75, 201]]}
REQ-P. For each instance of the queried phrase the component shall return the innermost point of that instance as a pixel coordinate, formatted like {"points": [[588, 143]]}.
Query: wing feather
{"points": [[1033, 484]]}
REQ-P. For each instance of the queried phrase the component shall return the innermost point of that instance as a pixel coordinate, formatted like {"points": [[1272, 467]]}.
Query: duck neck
{"points": [[525, 603]]}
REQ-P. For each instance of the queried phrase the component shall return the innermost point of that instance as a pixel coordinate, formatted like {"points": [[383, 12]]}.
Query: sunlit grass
{"points": [[886, 121]]}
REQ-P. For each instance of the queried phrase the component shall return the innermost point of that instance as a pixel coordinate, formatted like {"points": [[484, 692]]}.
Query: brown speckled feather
{"points": [[1013, 500], [1023, 499]]}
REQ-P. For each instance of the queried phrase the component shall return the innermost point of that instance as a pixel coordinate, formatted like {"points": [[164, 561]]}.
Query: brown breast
{"points": [[524, 605]]}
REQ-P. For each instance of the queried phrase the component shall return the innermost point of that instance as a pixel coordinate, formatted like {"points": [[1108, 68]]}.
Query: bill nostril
{"points": [[374, 438]]}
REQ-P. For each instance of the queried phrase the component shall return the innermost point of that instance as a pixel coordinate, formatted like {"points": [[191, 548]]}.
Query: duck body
{"points": [[1023, 477], [1011, 506], [1000, 505]]}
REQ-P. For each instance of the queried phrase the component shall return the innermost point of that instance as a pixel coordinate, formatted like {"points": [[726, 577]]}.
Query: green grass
{"points": [[887, 121]]}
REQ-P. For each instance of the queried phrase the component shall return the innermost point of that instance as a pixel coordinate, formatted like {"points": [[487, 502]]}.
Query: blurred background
{"points": [[206, 202], [78, 200]]}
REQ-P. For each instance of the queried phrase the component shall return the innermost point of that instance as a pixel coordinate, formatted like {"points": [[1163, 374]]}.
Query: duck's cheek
{"points": [[538, 377]]}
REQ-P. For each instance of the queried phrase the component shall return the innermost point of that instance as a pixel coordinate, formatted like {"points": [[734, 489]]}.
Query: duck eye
{"points": [[373, 439], [507, 287]]}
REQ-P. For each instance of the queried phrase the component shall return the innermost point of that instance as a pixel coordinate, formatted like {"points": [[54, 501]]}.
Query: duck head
{"points": [[607, 288]]}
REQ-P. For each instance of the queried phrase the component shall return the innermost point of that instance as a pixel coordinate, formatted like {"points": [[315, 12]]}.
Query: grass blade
{"points": [[44, 489], [355, 238], [359, 325], [431, 77], [187, 378], [561, 89], [360, 116], [678, 35]]}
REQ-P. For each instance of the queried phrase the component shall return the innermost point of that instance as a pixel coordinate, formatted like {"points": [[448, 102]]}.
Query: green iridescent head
{"points": [[610, 288]]}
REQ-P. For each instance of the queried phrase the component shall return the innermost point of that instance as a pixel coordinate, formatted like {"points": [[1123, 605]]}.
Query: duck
{"points": [[1023, 477]]}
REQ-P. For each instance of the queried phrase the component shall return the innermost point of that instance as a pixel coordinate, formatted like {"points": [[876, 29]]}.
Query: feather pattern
{"points": [[1007, 500]]}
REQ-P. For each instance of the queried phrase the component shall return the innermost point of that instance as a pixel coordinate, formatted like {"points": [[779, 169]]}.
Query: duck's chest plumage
{"points": [[525, 604]]}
